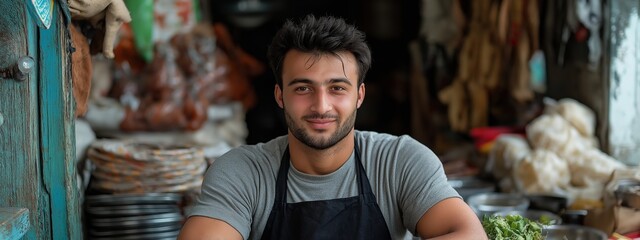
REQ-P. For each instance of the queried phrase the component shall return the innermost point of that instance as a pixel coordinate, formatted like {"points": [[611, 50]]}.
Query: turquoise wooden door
{"points": [[37, 169]]}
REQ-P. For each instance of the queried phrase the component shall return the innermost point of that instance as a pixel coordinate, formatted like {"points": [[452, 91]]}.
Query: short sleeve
{"points": [[228, 192], [422, 182]]}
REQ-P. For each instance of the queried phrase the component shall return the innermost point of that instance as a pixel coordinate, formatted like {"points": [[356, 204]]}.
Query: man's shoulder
{"points": [[382, 145], [256, 153], [378, 138]]}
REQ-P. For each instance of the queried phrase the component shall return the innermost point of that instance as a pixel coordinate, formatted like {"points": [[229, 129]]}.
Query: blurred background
{"points": [[532, 97], [529, 104]]}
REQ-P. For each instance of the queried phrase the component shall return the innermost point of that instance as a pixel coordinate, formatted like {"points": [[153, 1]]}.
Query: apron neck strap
{"points": [[283, 175]]}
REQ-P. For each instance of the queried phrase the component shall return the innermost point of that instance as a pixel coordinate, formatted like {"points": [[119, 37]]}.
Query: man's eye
{"points": [[302, 89], [338, 88]]}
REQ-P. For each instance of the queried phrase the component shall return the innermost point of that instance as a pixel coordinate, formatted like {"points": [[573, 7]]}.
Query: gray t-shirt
{"points": [[406, 177]]}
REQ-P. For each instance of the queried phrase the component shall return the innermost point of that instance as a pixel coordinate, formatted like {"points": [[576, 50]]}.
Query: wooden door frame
{"points": [[37, 136], [57, 127]]}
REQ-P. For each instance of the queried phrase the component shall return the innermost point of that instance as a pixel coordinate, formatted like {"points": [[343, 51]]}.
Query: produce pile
{"points": [[512, 227]]}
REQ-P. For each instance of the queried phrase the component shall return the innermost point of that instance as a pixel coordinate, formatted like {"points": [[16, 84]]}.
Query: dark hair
{"points": [[319, 35]]}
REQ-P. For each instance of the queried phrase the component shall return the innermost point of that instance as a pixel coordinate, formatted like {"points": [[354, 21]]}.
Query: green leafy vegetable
{"points": [[546, 220], [511, 227]]}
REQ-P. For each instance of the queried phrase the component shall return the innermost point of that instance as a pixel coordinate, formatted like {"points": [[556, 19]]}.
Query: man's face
{"points": [[320, 96]]}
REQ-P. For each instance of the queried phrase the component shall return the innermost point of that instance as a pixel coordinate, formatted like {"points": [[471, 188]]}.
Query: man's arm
{"points": [[451, 218], [200, 228]]}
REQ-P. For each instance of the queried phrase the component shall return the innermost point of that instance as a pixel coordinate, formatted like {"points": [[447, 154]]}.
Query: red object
{"points": [[632, 235], [582, 34], [482, 135]]}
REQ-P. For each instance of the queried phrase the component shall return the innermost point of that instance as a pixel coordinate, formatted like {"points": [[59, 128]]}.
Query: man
{"points": [[325, 180]]}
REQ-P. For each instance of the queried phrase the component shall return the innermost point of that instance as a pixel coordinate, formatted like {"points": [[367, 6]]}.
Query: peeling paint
{"points": [[624, 91], [14, 222]]}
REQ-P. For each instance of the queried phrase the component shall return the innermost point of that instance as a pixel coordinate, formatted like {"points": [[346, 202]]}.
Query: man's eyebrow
{"points": [[299, 80], [308, 81], [340, 80]]}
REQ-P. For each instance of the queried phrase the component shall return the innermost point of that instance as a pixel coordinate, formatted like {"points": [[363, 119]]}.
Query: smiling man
{"points": [[324, 179]]}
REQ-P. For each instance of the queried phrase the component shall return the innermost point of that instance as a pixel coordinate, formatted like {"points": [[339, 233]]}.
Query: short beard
{"points": [[318, 143]]}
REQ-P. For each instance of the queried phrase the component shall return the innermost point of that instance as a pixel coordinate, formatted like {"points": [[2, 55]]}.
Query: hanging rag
{"points": [[106, 15]]}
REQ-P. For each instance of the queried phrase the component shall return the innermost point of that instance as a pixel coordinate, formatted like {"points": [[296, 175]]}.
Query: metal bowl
{"points": [[468, 186], [562, 232], [490, 203], [552, 203], [534, 215], [574, 216], [628, 193]]}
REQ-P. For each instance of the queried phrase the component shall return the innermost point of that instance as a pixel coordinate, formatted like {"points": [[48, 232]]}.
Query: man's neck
{"points": [[320, 162]]}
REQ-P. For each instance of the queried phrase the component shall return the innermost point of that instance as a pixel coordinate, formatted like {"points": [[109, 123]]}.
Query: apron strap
{"points": [[364, 186], [283, 175]]}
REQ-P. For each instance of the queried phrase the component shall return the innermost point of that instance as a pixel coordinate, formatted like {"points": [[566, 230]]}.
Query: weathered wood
{"points": [[37, 155], [14, 223], [20, 171], [58, 130]]}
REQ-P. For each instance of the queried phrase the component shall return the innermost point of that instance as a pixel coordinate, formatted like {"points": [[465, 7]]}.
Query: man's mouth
{"points": [[320, 123]]}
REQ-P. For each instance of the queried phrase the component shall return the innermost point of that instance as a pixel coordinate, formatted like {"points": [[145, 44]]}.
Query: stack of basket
{"points": [[133, 167]]}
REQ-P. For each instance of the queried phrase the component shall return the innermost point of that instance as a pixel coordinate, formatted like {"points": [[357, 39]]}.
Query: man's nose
{"points": [[322, 102]]}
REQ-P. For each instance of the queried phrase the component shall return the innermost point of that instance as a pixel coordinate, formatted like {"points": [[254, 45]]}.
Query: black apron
{"points": [[357, 217]]}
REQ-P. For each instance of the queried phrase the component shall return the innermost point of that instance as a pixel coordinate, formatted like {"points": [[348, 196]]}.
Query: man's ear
{"points": [[361, 91], [277, 92]]}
